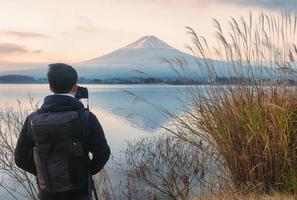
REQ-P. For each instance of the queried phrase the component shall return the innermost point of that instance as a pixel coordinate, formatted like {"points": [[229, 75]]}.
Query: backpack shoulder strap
{"points": [[87, 121], [84, 127]]}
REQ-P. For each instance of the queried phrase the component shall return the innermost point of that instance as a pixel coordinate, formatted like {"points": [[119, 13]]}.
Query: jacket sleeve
{"points": [[24, 150], [98, 145]]}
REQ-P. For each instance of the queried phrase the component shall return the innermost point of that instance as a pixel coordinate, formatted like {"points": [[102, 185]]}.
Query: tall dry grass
{"points": [[252, 124]]}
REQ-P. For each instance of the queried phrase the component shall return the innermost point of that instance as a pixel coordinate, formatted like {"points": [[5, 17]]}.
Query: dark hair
{"points": [[61, 77]]}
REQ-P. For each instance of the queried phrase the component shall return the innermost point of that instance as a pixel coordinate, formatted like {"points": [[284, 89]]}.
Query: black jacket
{"points": [[98, 144]]}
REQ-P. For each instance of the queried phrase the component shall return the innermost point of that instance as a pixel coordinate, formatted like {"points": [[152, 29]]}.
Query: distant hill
{"points": [[23, 79], [17, 79]]}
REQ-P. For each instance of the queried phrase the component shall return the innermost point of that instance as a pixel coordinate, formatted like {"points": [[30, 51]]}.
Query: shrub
{"points": [[16, 182], [165, 166]]}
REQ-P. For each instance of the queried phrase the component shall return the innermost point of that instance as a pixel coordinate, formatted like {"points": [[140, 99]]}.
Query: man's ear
{"points": [[74, 89], [51, 89]]}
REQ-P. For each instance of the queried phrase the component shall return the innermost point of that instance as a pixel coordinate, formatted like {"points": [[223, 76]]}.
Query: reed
{"points": [[251, 122]]}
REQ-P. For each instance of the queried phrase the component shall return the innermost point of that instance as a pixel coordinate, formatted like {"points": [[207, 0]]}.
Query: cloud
{"points": [[85, 25], [86, 28], [37, 51], [24, 34], [10, 48], [286, 5]]}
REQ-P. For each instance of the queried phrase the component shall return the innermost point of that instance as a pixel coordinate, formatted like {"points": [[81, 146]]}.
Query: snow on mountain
{"points": [[148, 42]]}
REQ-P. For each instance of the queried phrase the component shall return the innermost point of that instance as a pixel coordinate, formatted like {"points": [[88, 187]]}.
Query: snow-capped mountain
{"points": [[147, 55], [143, 55], [143, 58]]}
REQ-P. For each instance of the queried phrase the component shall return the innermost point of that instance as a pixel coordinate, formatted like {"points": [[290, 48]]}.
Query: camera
{"points": [[82, 93]]}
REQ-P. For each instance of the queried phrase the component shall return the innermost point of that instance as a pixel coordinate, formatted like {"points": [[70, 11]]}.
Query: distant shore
{"points": [[23, 79]]}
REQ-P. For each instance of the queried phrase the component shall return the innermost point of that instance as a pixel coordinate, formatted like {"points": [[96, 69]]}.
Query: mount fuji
{"points": [[144, 55], [142, 58]]}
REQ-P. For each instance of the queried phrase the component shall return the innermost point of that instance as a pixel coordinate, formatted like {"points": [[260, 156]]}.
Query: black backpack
{"points": [[61, 150]]}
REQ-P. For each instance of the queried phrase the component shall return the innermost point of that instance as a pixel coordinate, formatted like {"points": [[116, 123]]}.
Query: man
{"points": [[55, 141]]}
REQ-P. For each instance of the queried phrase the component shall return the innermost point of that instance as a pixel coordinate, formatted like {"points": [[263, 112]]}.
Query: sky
{"points": [[47, 31]]}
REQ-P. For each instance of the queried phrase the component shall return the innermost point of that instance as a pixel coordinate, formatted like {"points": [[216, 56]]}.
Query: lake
{"points": [[126, 112]]}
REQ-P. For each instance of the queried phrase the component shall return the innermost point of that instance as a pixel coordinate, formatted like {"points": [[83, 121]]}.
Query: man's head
{"points": [[62, 78]]}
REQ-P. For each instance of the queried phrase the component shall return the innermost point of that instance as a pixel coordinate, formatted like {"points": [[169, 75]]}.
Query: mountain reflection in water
{"points": [[123, 116], [142, 107]]}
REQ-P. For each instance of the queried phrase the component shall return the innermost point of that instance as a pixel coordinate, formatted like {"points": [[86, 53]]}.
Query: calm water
{"points": [[126, 112]]}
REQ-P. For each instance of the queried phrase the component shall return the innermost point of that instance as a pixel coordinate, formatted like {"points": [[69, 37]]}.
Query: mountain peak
{"points": [[150, 42]]}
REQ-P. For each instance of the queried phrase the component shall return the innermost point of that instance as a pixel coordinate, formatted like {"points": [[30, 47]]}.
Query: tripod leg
{"points": [[94, 190]]}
